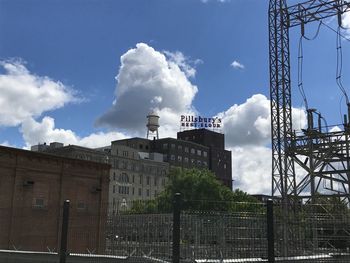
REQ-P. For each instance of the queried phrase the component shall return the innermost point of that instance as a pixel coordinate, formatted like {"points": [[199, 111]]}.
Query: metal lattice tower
{"points": [[327, 155]]}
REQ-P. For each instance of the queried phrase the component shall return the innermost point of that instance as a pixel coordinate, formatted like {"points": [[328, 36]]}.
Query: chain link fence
{"points": [[192, 231]]}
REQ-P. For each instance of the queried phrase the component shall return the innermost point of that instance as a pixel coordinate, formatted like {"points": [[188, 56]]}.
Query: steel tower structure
{"points": [[323, 156]]}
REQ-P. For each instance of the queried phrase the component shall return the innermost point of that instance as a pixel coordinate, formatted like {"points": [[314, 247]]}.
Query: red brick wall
{"points": [[55, 179]]}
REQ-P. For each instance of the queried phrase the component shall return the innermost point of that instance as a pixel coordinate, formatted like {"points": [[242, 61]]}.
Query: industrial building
{"points": [[140, 166], [33, 187]]}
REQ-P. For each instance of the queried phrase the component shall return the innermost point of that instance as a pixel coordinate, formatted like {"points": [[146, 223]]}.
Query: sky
{"points": [[87, 72]]}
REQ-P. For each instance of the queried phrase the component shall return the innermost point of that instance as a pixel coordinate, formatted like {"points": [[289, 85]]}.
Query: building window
{"points": [[193, 151], [140, 178], [113, 176], [165, 146], [147, 192], [124, 178], [133, 191], [199, 152], [141, 146], [133, 178], [224, 165], [38, 203], [125, 153], [81, 206], [155, 181], [113, 189], [148, 180], [140, 191], [205, 154], [163, 182], [116, 163], [172, 157], [179, 158], [186, 159], [173, 146], [179, 147], [186, 150]]}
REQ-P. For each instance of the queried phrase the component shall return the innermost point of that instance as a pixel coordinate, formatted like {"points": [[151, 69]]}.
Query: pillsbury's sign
{"points": [[190, 121]]}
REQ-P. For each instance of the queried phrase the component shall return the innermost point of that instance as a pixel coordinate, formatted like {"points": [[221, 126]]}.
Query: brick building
{"points": [[219, 159], [33, 187]]}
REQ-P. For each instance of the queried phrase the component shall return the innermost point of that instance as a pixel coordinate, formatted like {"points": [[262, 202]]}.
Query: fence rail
{"points": [[234, 232]]}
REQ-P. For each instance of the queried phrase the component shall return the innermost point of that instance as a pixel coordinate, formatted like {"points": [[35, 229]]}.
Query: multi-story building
{"points": [[140, 167], [135, 174], [219, 159], [199, 148]]}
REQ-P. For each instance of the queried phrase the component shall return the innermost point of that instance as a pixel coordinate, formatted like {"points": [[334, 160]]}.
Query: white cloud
{"points": [[335, 129], [346, 23], [183, 62], [250, 122], [237, 65], [247, 129], [39, 132], [7, 144], [149, 80], [251, 169], [24, 95]]}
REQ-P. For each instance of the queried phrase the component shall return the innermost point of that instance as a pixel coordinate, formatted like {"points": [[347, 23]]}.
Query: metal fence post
{"points": [[176, 228], [64, 232], [270, 232]]}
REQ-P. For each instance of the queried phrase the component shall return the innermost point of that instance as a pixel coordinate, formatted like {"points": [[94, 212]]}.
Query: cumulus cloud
{"points": [[39, 132], [346, 23], [185, 64], [251, 169], [250, 122], [247, 129], [149, 80], [236, 65], [24, 95]]}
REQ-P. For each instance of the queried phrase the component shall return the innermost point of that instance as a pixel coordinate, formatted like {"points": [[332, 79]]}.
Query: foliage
{"points": [[200, 190]]}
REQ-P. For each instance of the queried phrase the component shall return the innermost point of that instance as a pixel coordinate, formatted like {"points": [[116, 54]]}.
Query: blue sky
{"points": [[76, 46]]}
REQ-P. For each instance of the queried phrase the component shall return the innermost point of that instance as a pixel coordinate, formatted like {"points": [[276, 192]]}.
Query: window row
{"points": [[124, 178], [187, 160], [119, 164], [186, 149], [126, 190]]}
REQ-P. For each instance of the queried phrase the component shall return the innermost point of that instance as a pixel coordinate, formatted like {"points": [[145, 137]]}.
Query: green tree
{"points": [[200, 190]]}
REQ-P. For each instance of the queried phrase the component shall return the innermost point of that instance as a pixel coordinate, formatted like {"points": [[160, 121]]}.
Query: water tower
{"points": [[152, 125]]}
